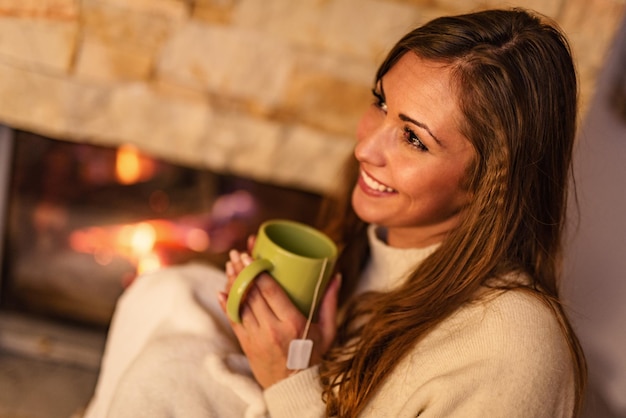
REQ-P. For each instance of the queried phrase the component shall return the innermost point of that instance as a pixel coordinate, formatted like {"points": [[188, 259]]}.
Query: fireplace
{"points": [[84, 221]]}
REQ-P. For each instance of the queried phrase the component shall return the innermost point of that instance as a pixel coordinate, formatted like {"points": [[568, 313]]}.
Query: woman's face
{"points": [[412, 156]]}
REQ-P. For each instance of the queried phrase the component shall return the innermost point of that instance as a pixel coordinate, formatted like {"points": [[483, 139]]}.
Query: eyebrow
{"points": [[425, 127], [408, 119]]}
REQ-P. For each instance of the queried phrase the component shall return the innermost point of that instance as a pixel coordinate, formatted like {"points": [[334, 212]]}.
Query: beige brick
{"points": [[160, 125], [170, 9], [50, 9], [126, 27], [358, 28], [214, 11], [590, 38], [547, 7], [378, 27], [238, 63], [178, 92], [168, 127], [434, 8], [317, 99], [32, 101], [40, 43], [120, 43], [320, 159], [103, 61], [287, 155], [359, 71], [238, 143], [295, 22]]}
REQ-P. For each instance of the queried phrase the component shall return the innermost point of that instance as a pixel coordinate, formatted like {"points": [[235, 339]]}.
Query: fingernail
{"points": [[234, 255], [230, 270], [221, 297], [245, 259]]}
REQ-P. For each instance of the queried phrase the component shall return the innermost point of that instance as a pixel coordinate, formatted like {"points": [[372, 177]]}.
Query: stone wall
{"points": [[268, 89]]}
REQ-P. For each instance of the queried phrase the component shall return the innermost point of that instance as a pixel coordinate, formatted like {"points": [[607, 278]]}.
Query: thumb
{"points": [[328, 312]]}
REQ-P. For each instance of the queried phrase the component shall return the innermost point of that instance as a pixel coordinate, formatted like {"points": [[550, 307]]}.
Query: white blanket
{"points": [[170, 352]]}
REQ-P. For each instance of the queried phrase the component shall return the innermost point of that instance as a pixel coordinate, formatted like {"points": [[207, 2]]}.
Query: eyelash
{"points": [[413, 140], [409, 136], [379, 101]]}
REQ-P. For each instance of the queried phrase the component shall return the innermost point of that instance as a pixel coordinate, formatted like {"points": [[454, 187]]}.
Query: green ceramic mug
{"points": [[296, 255]]}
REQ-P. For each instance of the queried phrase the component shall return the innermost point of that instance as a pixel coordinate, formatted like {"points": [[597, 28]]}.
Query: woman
{"points": [[452, 241]]}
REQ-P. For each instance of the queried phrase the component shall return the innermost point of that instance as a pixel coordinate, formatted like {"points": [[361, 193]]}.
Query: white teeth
{"points": [[373, 184]]}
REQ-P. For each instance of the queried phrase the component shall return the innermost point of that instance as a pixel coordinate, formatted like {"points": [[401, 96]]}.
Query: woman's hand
{"points": [[270, 321]]}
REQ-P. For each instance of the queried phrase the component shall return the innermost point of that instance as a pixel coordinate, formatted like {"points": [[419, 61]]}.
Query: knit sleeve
{"points": [[299, 396]]}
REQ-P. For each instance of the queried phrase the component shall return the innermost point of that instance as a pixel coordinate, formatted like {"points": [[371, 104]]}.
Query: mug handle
{"points": [[241, 284]]}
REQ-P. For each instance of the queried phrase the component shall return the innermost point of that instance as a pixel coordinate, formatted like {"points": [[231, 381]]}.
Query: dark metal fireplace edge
{"points": [[6, 150]]}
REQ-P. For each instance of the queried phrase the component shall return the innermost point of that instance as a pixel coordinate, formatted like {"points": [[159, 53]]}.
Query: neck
{"points": [[413, 237]]}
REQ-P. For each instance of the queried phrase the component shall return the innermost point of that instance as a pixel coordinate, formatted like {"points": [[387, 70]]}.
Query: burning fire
{"points": [[139, 243], [149, 245], [131, 166]]}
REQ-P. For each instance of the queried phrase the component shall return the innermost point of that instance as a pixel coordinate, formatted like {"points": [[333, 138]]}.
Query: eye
{"points": [[379, 101], [412, 139]]}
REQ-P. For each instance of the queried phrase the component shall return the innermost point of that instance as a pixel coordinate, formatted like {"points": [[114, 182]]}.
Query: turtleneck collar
{"points": [[388, 266]]}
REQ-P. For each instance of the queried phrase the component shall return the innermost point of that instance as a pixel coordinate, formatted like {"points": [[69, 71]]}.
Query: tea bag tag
{"points": [[300, 350], [299, 354]]}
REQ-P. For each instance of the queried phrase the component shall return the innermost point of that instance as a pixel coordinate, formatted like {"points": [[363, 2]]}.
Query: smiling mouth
{"points": [[375, 185]]}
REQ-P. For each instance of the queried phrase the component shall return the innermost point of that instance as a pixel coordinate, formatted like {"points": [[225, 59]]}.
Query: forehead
{"points": [[413, 77]]}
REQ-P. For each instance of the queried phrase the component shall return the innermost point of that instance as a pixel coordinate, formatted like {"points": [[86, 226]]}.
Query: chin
{"points": [[363, 211]]}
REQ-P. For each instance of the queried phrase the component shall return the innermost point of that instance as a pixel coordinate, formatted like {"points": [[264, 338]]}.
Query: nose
{"points": [[370, 146]]}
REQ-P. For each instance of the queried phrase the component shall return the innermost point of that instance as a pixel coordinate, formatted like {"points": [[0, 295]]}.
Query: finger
{"points": [[230, 275], [247, 310], [246, 259], [328, 311], [277, 300], [258, 308], [230, 270], [235, 260], [250, 243], [221, 299]]}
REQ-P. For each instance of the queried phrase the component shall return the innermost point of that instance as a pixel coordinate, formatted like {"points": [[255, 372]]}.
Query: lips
{"points": [[375, 185]]}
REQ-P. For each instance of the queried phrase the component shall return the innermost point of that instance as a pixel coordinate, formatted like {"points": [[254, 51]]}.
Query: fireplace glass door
{"points": [[84, 221]]}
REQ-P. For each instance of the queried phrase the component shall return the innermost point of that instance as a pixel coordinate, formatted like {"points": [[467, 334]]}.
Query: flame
{"points": [[149, 262], [139, 243], [131, 167], [143, 237]]}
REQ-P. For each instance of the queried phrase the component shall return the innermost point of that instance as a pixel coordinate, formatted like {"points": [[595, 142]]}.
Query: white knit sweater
{"points": [[166, 357]]}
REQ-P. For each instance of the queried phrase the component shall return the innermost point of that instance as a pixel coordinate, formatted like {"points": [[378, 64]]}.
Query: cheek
{"points": [[453, 194], [435, 187]]}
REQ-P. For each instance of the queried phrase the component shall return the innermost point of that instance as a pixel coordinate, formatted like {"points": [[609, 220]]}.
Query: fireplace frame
{"points": [[26, 335], [7, 139]]}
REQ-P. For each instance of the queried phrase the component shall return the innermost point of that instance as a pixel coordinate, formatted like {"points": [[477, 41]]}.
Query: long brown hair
{"points": [[517, 89]]}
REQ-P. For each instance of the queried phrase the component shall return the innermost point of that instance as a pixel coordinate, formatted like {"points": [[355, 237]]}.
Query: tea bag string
{"points": [[299, 355], [318, 285]]}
